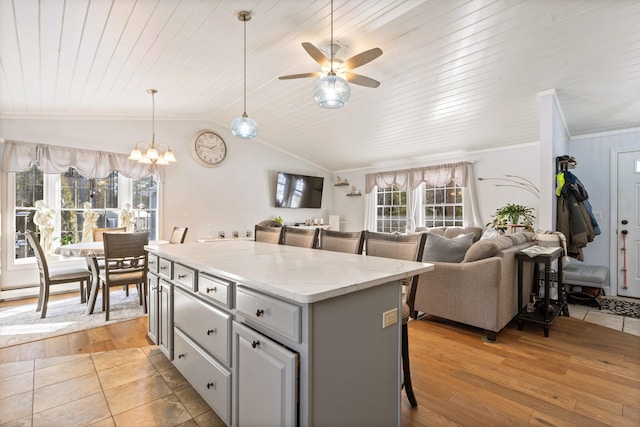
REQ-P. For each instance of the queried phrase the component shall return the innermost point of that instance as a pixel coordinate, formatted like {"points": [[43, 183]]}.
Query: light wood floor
{"points": [[583, 374]]}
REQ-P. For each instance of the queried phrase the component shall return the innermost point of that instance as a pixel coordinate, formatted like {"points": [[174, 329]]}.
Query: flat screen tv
{"points": [[298, 191]]}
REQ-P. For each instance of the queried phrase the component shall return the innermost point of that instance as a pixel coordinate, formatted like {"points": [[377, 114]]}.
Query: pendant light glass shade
{"points": [[244, 127], [331, 92]]}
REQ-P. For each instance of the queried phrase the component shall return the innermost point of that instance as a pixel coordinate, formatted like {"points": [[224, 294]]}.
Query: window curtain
{"points": [[413, 181], [19, 156]]}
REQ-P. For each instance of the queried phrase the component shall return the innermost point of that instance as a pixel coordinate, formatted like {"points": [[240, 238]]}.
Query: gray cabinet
{"points": [[165, 318], [152, 307], [265, 380]]}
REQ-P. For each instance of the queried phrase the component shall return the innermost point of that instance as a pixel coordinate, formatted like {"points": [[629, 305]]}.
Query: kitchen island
{"points": [[280, 335]]}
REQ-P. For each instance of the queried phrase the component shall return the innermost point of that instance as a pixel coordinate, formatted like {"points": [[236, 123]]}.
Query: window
{"points": [[391, 205], [67, 193], [443, 206]]}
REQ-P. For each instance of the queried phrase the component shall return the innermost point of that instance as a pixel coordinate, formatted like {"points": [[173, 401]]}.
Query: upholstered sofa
{"points": [[476, 285]]}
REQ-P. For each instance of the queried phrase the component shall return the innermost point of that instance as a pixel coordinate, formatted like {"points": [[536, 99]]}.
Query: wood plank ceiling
{"points": [[456, 75]]}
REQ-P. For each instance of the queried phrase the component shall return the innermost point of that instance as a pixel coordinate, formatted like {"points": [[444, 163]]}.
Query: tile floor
{"points": [[136, 386], [626, 324]]}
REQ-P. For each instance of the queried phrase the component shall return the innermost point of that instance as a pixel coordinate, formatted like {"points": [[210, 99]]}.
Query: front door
{"points": [[628, 225]]}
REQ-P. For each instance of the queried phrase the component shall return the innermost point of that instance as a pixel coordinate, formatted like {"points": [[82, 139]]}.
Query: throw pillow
{"points": [[442, 249], [485, 248]]}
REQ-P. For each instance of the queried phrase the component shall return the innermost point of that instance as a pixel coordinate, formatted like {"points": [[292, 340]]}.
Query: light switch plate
{"points": [[389, 318]]}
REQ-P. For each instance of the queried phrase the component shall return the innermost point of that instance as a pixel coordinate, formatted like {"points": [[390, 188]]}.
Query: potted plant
{"points": [[514, 214]]}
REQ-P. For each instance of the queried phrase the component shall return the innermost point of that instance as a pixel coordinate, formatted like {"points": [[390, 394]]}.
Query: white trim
{"points": [[554, 95], [605, 134]]}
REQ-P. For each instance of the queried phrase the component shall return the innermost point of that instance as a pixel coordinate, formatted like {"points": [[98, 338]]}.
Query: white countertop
{"points": [[298, 274]]}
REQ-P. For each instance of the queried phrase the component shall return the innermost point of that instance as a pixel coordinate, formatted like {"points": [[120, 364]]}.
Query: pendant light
{"points": [[331, 91], [159, 154], [244, 127]]}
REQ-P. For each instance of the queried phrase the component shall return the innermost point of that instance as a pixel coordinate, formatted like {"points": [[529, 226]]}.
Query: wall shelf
{"points": [[354, 194], [341, 184]]}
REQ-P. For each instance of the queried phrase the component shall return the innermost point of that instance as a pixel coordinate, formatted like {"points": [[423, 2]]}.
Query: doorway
{"points": [[626, 232]]}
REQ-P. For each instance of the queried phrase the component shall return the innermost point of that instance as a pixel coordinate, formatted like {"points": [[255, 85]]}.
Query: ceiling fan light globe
{"points": [[331, 92], [244, 127]]}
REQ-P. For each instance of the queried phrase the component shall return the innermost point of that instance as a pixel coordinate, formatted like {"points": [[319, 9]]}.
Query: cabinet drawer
{"points": [[184, 276], [208, 378], [152, 264], [215, 288], [165, 268], [276, 315], [206, 325]]}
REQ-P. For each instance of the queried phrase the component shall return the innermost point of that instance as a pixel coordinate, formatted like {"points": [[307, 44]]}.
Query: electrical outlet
{"points": [[597, 215], [389, 318]]}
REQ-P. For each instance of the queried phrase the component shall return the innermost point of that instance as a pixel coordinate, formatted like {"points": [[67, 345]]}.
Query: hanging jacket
{"points": [[574, 184]]}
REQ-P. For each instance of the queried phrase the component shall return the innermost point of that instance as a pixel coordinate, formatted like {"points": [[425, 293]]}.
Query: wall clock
{"points": [[208, 148]]}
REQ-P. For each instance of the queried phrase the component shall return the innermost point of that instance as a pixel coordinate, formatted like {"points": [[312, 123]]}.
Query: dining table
{"points": [[91, 252]]}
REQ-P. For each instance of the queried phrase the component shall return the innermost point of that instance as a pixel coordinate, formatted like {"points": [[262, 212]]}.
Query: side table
{"points": [[550, 310]]}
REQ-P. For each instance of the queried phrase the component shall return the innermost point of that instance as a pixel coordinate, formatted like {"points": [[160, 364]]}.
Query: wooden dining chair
{"points": [[178, 234], [57, 276], [351, 242], [408, 247], [98, 232], [301, 237], [125, 264], [267, 234]]}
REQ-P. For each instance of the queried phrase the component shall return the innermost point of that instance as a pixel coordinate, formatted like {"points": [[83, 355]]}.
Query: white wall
{"points": [[234, 196]]}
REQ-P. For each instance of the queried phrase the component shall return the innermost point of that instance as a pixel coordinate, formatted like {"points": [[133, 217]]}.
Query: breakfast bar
{"points": [[278, 335]]}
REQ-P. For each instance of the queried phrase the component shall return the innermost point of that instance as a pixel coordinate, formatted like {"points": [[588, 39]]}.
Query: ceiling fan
{"points": [[339, 66]]}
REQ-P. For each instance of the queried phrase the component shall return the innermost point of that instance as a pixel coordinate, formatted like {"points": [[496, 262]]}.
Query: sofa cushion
{"points": [[452, 232], [443, 249], [488, 247], [485, 248], [517, 238]]}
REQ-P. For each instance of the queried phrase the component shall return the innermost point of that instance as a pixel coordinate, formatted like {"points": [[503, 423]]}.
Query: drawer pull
{"points": [[163, 267], [259, 312], [254, 344], [211, 385], [181, 276], [212, 331], [214, 289], [182, 356]]}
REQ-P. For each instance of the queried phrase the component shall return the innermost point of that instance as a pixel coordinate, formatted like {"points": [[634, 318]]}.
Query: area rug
{"points": [[621, 307], [20, 324]]}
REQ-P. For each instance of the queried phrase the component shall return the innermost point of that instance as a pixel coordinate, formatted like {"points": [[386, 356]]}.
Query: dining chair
{"points": [[342, 241], [301, 237], [125, 264], [178, 234], [98, 232], [267, 234], [57, 276], [408, 247]]}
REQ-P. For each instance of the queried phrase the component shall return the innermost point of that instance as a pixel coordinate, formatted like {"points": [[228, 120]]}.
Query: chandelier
{"points": [[158, 154]]}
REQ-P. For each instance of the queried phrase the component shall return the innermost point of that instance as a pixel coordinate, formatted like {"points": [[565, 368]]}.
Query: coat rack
{"points": [[564, 163]]}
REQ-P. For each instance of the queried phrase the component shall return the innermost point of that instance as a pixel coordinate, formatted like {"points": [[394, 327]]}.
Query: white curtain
{"points": [[461, 173], [19, 156]]}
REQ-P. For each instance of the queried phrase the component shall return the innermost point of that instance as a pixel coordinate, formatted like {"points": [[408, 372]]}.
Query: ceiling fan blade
{"points": [[357, 79], [315, 53], [362, 58], [300, 76]]}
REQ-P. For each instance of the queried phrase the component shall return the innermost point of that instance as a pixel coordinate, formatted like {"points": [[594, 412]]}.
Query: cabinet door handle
{"points": [[153, 288], [254, 344], [182, 356], [214, 289], [211, 385], [212, 331], [259, 312]]}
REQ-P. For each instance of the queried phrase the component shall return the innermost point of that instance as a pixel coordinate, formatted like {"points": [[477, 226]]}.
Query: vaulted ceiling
{"points": [[456, 75]]}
